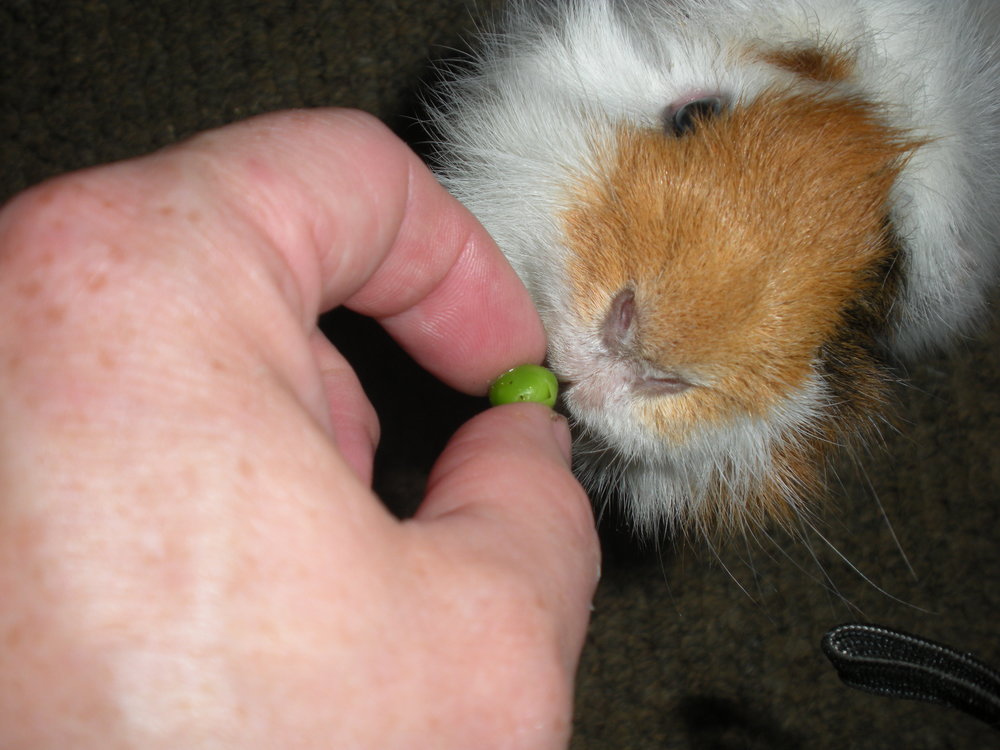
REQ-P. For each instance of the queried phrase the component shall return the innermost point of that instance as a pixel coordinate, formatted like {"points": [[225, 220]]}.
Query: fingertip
{"points": [[475, 318], [502, 501], [514, 434], [511, 463]]}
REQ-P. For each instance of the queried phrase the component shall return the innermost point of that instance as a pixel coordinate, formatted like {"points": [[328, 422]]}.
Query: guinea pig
{"points": [[732, 215]]}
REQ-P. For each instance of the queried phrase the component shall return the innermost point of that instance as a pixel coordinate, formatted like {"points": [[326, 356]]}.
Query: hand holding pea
{"points": [[190, 554]]}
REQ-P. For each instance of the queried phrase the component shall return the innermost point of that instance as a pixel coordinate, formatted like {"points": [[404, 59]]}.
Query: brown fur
{"points": [[758, 250], [814, 63]]}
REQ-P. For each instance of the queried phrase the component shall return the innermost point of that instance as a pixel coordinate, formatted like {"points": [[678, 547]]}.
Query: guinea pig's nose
{"points": [[617, 330], [618, 333], [685, 118]]}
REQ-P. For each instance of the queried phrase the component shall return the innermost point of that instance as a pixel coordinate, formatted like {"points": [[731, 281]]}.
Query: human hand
{"points": [[190, 553]]}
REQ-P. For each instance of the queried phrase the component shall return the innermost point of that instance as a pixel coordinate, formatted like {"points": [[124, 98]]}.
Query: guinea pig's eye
{"points": [[685, 118]]}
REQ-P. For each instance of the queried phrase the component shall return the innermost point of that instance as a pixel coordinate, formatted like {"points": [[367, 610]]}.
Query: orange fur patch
{"points": [[745, 243]]}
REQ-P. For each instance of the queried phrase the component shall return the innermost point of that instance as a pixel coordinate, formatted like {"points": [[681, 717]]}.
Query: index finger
{"points": [[361, 221]]}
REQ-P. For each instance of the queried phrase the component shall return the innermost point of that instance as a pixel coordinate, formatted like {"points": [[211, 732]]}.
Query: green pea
{"points": [[525, 383]]}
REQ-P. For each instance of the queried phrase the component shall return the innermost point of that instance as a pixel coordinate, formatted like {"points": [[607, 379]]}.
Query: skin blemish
{"points": [[29, 289], [96, 282], [45, 195], [55, 314], [106, 360], [14, 637]]}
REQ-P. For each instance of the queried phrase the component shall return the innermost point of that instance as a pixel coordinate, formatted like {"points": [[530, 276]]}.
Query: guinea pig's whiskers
{"points": [[888, 522], [722, 563], [826, 580], [813, 529]]}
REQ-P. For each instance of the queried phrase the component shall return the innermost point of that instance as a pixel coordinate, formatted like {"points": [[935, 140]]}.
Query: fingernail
{"points": [[560, 428]]}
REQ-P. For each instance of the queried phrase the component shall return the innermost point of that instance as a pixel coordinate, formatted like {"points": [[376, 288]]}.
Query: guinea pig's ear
{"points": [[684, 119]]}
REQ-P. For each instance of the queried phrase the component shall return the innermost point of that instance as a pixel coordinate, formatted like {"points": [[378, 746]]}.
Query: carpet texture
{"points": [[695, 646]]}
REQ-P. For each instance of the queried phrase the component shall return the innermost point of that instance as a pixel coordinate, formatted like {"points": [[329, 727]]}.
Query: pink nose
{"points": [[618, 333]]}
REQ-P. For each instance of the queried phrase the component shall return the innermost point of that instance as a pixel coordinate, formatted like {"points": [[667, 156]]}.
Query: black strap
{"points": [[895, 664]]}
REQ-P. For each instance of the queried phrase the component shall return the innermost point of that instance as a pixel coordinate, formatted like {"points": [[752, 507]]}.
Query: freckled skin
{"points": [[190, 551]]}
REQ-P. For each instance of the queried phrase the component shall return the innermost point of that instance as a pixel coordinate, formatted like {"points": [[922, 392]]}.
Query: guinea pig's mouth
{"points": [[619, 386], [662, 385]]}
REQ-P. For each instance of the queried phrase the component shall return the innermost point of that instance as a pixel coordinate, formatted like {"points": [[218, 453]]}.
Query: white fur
{"points": [[557, 77], [671, 484]]}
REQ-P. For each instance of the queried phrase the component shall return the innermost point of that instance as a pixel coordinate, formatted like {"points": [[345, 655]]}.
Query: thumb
{"points": [[502, 493]]}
